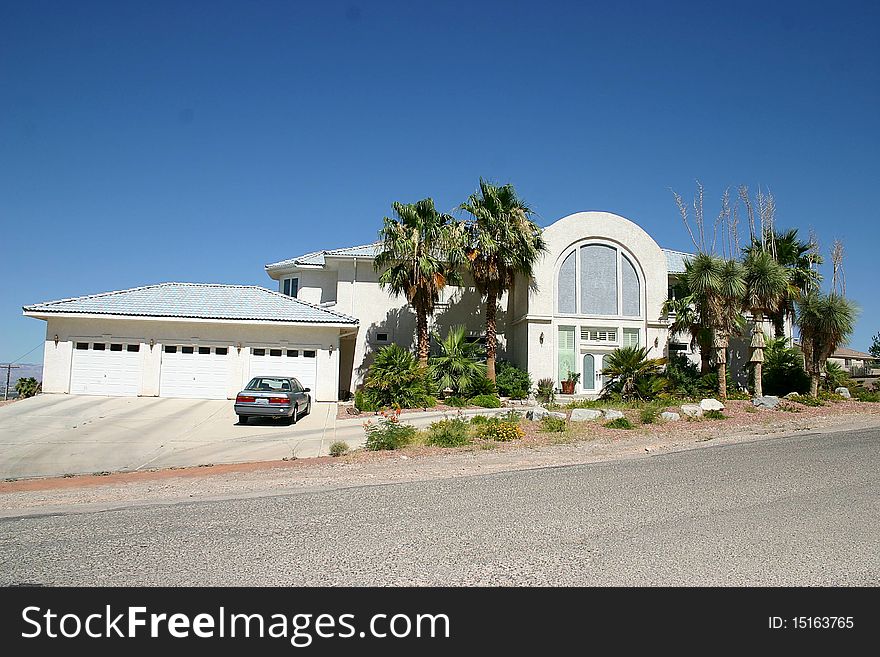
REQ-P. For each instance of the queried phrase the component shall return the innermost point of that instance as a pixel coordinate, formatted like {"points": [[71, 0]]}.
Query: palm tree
{"points": [[688, 318], [458, 365], [825, 321], [801, 259], [718, 286], [419, 256], [628, 371], [503, 242], [766, 286]]}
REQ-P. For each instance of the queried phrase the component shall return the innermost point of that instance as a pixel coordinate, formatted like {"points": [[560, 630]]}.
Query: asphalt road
{"points": [[791, 511]]}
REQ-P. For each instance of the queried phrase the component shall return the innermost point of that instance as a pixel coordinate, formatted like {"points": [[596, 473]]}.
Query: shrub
{"points": [[864, 395], [546, 392], [448, 433], [501, 430], [783, 369], [650, 413], [396, 379], [512, 416], [835, 376], [458, 365], [456, 401], [824, 395], [619, 423], [481, 386], [806, 400], [632, 375], [552, 424], [27, 387], [683, 376], [512, 381], [486, 401], [338, 448], [479, 420], [714, 415], [362, 403], [388, 433]]}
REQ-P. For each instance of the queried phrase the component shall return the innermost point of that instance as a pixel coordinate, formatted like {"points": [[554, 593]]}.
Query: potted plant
{"points": [[569, 382]]}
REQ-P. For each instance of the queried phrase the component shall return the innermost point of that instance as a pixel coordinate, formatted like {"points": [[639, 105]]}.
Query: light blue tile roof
{"points": [[317, 258], [675, 260], [198, 301]]}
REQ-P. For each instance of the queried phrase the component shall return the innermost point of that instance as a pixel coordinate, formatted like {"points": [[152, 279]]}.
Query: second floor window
{"points": [[290, 286]]}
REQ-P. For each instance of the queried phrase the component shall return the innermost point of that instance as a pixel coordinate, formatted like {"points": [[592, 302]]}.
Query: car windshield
{"points": [[269, 384]]}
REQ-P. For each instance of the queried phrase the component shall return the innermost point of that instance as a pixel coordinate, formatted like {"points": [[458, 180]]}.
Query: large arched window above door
{"points": [[598, 280]]}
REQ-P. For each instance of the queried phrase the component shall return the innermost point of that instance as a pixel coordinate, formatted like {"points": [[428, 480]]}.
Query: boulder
{"points": [[692, 410], [611, 414], [767, 401], [537, 414], [711, 405], [793, 395], [584, 414], [843, 392], [669, 416], [557, 414]]}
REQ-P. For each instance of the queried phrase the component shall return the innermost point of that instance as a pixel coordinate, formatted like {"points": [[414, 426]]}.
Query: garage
{"points": [[298, 362], [102, 368], [194, 372]]}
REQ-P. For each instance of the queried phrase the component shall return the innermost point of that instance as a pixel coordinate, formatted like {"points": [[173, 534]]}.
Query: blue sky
{"points": [[196, 141]]}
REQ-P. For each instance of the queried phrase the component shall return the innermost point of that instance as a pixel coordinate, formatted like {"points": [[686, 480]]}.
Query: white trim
{"points": [[155, 318]]}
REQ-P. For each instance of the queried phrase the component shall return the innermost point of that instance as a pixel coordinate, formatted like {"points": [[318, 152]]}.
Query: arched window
{"points": [[598, 279]]}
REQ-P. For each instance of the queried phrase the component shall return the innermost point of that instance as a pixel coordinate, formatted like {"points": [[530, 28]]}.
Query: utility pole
{"points": [[9, 367]]}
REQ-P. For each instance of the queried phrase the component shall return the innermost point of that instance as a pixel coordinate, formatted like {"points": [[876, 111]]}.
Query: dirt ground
{"points": [[583, 443]]}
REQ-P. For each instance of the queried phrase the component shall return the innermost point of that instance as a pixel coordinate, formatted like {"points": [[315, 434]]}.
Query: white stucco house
{"points": [[601, 285]]}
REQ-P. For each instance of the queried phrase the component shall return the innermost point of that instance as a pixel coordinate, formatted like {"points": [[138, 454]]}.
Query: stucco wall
{"points": [[58, 358]]}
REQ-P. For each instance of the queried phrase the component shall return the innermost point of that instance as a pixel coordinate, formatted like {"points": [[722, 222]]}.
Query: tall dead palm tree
{"points": [[420, 254], [826, 321], [503, 242], [718, 286], [766, 285]]}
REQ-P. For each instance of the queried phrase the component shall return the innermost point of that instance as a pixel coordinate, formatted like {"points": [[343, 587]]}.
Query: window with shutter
{"points": [[631, 337]]}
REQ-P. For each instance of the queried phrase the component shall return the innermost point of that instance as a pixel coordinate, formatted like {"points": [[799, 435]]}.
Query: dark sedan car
{"points": [[273, 396]]}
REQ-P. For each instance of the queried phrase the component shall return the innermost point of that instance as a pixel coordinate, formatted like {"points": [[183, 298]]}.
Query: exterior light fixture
{"points": [[152, 343], [56, 339], [541, 338], [238, 347]]}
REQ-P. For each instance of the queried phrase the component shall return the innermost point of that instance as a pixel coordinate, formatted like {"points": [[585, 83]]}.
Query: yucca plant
{"points": [[825, 321], [766, 286], [458, 364]]}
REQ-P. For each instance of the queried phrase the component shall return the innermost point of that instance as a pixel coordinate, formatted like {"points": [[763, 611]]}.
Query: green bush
{"points": [[512, 381], [512, 416], [824, 395], [714, 415], [395, 379], [864, 395], [362, 404], [783, 369], [27, 387], [806, 400], [630, 374], [479, 420], [619, 423], [458, 364], [448, 433], [388, 433], [456, 401], [499, 429], [546, 392], [650, 413], [480, 387], [683, 376], [338, 448], [486, 401], [551, 424]]}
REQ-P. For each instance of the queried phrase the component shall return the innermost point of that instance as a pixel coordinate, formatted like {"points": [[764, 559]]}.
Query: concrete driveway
{"points": [[53, 435]]}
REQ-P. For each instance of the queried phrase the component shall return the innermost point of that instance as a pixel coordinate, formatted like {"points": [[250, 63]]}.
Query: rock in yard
{"points": [[843, 392], [793, 395], [670, 416], [711, 405], [692, 410], [583, 414], [561, 416], [611, 414], [537, 414], [767, 401]]}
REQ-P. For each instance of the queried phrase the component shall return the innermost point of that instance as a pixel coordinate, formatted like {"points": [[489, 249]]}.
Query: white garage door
{"points": [[194, 372], [106, 368], [284, 361]]}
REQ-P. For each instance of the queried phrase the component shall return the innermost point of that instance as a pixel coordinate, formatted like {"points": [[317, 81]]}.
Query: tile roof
{"points": [[317, 258], [198, 301], [846, 352], [675, 260]]}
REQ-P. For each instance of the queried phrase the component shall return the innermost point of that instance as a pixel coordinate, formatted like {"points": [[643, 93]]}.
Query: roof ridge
{"points": [[307, 303], [677, 251]]}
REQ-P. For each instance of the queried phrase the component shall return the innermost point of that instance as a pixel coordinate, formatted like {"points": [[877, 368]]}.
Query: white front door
{"points": [[298, 362], [106, 368], [191, 372]]}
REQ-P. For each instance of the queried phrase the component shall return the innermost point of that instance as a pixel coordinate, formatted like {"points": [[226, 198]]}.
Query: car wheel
{"points": [[295, 416], [242, 419]]}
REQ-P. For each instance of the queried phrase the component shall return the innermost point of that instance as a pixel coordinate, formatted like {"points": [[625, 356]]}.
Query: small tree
{"points": [[875, 346], [825, 321], [630, 373], [458, 363], [27, 387]]}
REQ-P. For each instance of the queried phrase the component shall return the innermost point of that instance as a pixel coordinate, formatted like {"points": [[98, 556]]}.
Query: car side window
{"points": [[297, 387]]}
